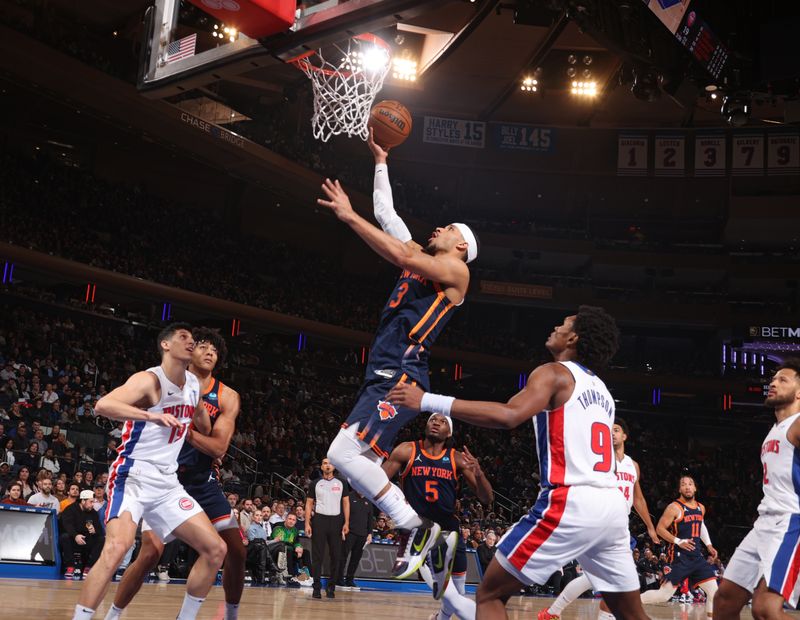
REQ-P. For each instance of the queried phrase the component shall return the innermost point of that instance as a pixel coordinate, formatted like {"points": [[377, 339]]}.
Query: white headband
{"points": [[472, 242], [446, 417]]}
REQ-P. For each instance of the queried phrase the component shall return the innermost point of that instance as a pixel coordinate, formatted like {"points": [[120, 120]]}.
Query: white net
{"points": [[346, 84]]}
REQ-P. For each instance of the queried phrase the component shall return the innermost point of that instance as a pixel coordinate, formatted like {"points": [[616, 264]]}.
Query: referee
{"points": [[328, 498]]}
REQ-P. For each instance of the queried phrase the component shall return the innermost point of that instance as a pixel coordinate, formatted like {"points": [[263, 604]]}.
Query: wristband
{"points": [[436, 403], [677, 541]]}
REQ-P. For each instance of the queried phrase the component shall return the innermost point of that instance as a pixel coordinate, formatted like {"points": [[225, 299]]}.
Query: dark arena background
{"points": [[159, 165]]}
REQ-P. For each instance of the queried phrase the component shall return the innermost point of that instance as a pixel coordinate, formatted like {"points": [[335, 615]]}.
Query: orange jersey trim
{"points": [[447, 309], [429, 455], [426, 316], [410, 461]]}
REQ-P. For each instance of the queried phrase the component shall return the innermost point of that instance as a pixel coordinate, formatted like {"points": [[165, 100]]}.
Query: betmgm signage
{"points": [[777, 332]]}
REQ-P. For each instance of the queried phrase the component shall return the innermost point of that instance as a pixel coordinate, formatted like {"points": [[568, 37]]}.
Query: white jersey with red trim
{"points": [[780, 461], [626, 479], [574, 440], [156, 444]]}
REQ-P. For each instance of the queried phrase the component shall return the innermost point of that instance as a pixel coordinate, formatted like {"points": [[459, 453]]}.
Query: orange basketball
{"points": [[390, 122]]}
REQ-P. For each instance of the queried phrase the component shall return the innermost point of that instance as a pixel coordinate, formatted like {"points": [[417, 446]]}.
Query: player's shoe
{"points": [[544, 614], [440, 562], [413, 552]]}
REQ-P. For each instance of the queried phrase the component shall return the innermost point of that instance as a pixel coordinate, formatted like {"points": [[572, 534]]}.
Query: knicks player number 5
{"points": [[601, 445]]}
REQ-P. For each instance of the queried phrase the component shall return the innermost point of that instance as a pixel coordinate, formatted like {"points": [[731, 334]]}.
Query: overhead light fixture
{"points": [[736, 110], [529, 85], [404, 69], [584, 89]]}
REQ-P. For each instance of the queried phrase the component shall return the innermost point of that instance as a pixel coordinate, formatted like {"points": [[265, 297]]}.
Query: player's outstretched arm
{"points": [[447, 271], [473, 474], [671, 514], [544, 385], [128, 400], [640, 506], [216, 443]]}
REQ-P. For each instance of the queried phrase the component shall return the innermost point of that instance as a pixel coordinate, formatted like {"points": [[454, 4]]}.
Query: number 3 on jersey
{"points": [[601, 445]]}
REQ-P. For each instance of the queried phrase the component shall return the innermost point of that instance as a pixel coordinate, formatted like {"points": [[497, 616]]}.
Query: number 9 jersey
{"points": [[574, 441]]}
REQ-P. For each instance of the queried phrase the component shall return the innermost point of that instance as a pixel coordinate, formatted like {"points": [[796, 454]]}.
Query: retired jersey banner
{"points": [[747, 154], [709, 155], [632, 154], [783, 153], [669, 156], [454, 131], [523, 137]]}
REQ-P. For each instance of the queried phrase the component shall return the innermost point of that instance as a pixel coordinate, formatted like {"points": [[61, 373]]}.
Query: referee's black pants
{"points": [[326, 531]]}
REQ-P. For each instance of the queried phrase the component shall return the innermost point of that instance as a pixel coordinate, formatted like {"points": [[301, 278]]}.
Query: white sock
{"points": [[231, 611], [605, 615], [394, 504], [454, 602], [82, 613], [114, 613], [190, 607], [571, 591]]}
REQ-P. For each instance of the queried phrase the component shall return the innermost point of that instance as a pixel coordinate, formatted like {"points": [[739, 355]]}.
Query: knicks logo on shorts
{"points": [[667, 570], [185, 503], [386, 410]]}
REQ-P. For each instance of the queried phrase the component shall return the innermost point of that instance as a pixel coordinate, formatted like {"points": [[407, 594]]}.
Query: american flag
{"points": [[182, 48]]}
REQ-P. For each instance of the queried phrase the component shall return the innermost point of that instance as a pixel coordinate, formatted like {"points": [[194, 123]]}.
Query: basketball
{"points": [[390, 122]]}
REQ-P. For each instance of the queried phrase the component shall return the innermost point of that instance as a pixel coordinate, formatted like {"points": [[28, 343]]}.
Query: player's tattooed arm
{"points": [[216, 444], [671, 514], [398, 459]]}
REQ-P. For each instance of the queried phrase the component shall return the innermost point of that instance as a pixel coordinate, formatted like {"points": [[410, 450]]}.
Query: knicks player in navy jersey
{"points": [[429, 472], [579, 513], [197, 473], [766, 564], [432, 283], [682, 525]]}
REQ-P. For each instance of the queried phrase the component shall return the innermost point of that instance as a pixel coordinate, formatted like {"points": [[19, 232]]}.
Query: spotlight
{"points": [[586, 73], [587, 60], [529, 85], [572, 59], [404, 69], [571, 72], [736, 110], [584, 89], [646, 84]]}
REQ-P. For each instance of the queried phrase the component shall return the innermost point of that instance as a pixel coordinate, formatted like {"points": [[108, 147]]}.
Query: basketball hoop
{"points": [[345, 86]]}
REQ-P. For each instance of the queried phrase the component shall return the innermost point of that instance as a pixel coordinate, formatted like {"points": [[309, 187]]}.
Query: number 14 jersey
{"points": [[574, 440]]}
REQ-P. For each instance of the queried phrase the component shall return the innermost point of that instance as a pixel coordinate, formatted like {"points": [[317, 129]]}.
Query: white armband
{"points": [[391, 223], [677, 541], [436, 403], [704, 536]]}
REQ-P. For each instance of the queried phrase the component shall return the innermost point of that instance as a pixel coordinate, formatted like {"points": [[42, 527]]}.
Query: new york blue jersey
{"points": [[411, 320], [430, 484], [688, 527], [195, 466], [688, 564]]}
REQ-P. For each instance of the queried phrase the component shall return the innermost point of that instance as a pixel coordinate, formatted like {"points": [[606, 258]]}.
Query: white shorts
{"points": [[771, 550], [589, 524], [145, 491], [221, 524]]}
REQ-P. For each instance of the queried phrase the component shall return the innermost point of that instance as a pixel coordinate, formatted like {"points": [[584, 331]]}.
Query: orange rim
{"points": [[301, 61]]}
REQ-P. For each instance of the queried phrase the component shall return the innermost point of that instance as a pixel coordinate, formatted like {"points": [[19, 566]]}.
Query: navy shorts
{"points": [[379, 421], [694, 567], [208, 493]]}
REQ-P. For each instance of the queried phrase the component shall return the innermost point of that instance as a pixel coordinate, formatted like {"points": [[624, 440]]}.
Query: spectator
{"points": [[30, 458], [382, 531], [100, 502], [60, 491], [6, 477], [44, 498], [38, 437], [300, 518], [246, 514], [7, 453], [50, 462], [257, 552], [15, 495], [19, 434], [487, 549], [279, 514], [82, 533], [23, 477], [288, 535], [74, 491]]}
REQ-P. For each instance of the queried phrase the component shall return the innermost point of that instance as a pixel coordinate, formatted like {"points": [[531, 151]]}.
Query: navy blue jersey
{"points": [[430, 484], [687, 526], [411, 320], [193, 464]]}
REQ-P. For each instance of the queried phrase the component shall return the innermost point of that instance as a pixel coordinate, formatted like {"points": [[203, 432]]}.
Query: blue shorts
{"points": [[207, 492], [694, 567], [379, 421]]}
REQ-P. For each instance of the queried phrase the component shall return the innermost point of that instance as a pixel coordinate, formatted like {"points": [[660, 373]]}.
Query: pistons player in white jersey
{"points": [[157, 405], [628, 479], [766, 565], [579, 512]]}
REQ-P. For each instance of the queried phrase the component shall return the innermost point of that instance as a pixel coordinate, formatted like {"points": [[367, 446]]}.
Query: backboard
{"points": [[187, 48]]}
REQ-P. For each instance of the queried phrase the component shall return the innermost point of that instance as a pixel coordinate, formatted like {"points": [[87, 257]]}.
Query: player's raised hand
{"points": [[406, 395], [166, 420], [378, 152], [470, 462], [338, 201], [687, 544]]}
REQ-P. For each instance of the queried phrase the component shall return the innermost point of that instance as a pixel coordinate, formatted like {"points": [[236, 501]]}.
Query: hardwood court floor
{"points": [[45, 600]]}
